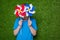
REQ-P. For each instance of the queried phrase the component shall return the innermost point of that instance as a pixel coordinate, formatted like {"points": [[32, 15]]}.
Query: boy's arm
{"points": [[18, 28], [33, 31]]}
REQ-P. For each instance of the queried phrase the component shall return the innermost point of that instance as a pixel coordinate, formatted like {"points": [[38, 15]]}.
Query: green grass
{"points": [[47, 16]]}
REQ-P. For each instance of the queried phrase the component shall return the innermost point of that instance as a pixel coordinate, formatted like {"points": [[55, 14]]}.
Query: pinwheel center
{"points": [[19, 11], [28, 9]]}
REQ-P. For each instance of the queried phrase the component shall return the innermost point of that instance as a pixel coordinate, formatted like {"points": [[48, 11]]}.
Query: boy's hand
{"points": [[29, 22], [20, 22]]}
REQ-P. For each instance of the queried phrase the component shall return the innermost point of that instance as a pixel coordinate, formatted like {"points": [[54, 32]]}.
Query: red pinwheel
{"points": [[20, 11]]}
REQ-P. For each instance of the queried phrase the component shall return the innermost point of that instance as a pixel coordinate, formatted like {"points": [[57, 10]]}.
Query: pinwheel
{"points": [[29, 9], [20, 11], [24, 10]]}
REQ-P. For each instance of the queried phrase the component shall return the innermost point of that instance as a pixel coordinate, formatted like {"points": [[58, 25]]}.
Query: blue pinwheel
{"points": [[29, 9]]}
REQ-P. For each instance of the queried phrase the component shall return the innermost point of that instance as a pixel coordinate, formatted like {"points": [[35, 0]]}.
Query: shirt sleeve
{"points": [[16, 24], [34, 25]]}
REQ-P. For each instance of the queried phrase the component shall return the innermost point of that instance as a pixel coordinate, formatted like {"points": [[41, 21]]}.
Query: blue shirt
{"points": [[25, 33]]}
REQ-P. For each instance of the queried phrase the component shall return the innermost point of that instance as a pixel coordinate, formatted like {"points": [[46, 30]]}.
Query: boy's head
{"points": [[25, 17]]}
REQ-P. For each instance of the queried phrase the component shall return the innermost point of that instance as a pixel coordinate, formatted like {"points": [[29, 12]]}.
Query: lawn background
{"points": [[47, 16]]}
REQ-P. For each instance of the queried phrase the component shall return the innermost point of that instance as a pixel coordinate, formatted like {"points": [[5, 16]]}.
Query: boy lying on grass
{"points": [[24, 27]]}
